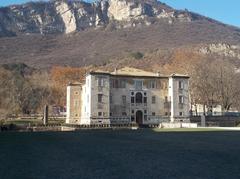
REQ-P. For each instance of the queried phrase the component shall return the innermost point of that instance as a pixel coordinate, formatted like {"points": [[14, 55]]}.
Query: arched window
{"points": [[139, 97]]}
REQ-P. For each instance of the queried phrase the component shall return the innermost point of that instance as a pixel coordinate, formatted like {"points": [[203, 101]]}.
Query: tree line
{"points": [[215, 83], [25, 90]]}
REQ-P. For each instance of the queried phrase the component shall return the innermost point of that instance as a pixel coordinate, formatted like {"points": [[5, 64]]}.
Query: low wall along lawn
{"points": [[221, 121]]}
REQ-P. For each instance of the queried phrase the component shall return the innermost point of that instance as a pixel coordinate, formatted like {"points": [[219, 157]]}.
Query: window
{"points": [[132, 111], [132, 118], [153, 113], [111, 99], [99, 113], [100, 98], [145, 111], [145, 117], [124, 113], [145, 94], [112, 83], [145, 99], [122, 83], [118, 83], [110, 114], [139, 97], [100, 81], [166, 99], [115, 83], [164, 85], [180, 85], [124, 99], [180, 113], [181, 100], [152, 84], [138, 84], [132, 99], [132, 93], [166, 113], [153, 99]]}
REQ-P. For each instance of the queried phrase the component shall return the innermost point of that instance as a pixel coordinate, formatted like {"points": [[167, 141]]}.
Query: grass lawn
{"points": [[121, 154], [187, 129]]}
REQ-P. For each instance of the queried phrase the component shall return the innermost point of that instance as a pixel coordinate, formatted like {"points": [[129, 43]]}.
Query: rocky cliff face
{"points": [[221, 49], [62, 16]]}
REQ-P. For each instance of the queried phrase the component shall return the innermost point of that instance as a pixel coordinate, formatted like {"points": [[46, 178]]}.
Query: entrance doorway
{"points": [[139, 117]]}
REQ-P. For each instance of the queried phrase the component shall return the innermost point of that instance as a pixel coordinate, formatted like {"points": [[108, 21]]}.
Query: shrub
{"points": [[137, 55]]}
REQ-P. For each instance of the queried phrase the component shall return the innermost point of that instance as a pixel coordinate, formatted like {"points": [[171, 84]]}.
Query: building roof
{"points": [[134, 72]]}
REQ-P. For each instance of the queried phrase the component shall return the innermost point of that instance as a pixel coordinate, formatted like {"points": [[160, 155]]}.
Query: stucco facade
{"points": [[128, 95]]}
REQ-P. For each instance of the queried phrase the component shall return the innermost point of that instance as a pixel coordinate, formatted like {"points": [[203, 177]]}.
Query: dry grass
{"points": [[100, 46]]}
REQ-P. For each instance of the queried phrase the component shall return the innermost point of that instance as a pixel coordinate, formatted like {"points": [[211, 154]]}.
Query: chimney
{"points": [[115, 71]]}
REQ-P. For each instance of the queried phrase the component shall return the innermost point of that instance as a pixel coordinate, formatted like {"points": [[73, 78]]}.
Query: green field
{"points": [[142, 153]]}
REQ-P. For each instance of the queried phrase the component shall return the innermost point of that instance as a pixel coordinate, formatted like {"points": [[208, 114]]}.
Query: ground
{"points": [[142, 153], [33, 121]]}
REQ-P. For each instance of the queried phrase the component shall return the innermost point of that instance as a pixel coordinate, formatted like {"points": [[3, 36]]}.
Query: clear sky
{"points": [[227, 11]]}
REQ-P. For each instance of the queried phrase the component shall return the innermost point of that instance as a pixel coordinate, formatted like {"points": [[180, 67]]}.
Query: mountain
{"points": [[77, 33], [69, 16]]}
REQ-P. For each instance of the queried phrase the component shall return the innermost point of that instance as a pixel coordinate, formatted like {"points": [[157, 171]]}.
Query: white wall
{"points": [[86, 101], [95, 106], [174, 93], [68, 105], [158, 108], [90, 107]]}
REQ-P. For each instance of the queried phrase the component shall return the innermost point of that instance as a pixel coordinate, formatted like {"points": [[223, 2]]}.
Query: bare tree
{"points": [[227, 84], [215, 83], [202, 89]]}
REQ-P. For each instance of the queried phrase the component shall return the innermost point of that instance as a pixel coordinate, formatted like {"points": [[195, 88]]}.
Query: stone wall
{"points": [[74, 103], [222, 121]]}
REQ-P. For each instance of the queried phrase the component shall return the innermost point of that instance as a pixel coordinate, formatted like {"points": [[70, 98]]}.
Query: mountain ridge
{"points": [[64, 16], [132, 26]]}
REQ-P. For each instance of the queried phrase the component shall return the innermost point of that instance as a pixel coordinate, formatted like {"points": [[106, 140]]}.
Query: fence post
{"points": [[203, 120], [45, 115]]}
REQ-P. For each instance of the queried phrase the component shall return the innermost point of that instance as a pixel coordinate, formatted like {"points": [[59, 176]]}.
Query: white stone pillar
{"points": [[68, 115], [171, 95]]}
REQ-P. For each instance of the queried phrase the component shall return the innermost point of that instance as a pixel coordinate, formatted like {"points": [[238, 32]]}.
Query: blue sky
{"points": [[227, 11]]}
